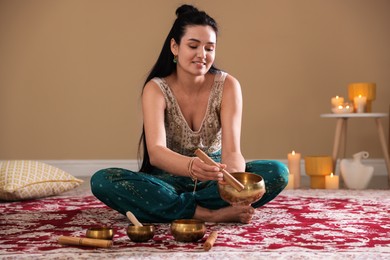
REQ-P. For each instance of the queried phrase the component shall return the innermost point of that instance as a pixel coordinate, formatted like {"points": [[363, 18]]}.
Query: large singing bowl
{"points": [[188, 230], [254, 189]]}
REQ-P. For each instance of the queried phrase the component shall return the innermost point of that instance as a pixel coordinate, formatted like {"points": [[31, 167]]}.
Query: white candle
{"points": [[294, 166], [290, 184], [331, 182], [359, 103], [337, 101]]}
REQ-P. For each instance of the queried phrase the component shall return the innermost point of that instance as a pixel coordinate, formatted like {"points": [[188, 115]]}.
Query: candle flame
{"points": [[293, 152], [331, 174]]}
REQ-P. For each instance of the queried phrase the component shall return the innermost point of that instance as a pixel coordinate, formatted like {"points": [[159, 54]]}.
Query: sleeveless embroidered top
{"points": [[180, 137]]}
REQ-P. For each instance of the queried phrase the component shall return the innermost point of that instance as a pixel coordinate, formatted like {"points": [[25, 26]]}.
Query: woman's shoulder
{"points": [[154, 87], [229, 81], [155, 81]]}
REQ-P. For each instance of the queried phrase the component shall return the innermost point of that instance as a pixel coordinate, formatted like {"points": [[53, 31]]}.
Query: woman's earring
{"points": [[175, 59]]}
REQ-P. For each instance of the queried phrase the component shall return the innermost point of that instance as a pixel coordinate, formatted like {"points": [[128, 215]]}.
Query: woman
{"points": [[187, 104]]}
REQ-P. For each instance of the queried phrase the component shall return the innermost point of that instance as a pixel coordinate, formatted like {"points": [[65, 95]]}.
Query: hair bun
{"points": [[185, 9]]}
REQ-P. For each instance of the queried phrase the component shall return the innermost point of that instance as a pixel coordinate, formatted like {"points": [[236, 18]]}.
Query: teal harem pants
{"points": [[159, 197]]}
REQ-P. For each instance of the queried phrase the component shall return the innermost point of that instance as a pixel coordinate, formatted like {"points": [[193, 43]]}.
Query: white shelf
{"points": [[357, 115]]}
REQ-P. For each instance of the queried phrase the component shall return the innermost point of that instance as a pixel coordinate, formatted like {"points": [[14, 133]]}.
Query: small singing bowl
{"points": [[100, 233], [188, 230], [140, 233], [254, 189]]}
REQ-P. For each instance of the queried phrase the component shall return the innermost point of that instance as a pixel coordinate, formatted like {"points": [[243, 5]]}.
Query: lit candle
{"points": [[359, 103], [348, 108], [339, 109], [290, 184], [294, 166], [337, 101], [332, 182], [342, 109]]}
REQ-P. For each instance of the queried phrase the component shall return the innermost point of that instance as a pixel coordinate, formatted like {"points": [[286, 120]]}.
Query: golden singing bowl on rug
{"points": [[254, 189], [140, 233], [188, 230], [100, 233]]}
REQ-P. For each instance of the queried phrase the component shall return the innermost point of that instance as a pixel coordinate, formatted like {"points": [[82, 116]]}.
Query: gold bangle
{"points": [[190, 172]]}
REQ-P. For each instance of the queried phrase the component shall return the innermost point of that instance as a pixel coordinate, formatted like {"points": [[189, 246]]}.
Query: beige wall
{"points": [[71, 72]]}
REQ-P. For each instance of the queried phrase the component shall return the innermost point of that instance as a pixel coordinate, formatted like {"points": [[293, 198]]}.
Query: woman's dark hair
{"points": [[187, 15]]}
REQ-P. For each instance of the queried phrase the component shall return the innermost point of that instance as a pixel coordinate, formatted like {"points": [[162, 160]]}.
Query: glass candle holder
{"points": [[364, 89]]}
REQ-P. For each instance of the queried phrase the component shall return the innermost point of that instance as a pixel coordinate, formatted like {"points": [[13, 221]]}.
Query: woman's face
{"points": [[196, 52]]}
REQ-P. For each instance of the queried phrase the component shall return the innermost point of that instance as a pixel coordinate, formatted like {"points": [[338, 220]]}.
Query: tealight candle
{"points": [[339, 109], [337, 101], [331, 182], [348, 108], [294, 166], [342, 109], [359, 103]]}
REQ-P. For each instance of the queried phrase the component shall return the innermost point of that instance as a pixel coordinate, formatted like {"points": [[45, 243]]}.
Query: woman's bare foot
{"points": [[242, 214]]}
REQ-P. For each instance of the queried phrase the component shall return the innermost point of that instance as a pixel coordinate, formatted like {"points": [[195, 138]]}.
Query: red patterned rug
{"points": [[298, 224]]}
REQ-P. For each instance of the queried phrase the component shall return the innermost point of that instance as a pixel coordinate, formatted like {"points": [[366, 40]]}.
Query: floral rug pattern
{"points": [[299, 224]]}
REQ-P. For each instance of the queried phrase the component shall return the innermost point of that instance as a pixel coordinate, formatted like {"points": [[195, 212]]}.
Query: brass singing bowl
{"points": [[254, 189], [100, 233], [188, 230], [140, 233]]}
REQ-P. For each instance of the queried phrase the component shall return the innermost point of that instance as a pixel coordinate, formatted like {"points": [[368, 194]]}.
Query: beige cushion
{"points": [[21, 180]]}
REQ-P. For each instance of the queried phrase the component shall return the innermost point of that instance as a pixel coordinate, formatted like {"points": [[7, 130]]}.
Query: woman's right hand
{"points": [[205, 172]]}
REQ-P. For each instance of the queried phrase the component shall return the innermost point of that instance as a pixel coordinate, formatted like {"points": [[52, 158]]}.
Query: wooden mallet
{"points": [[226, 176]]}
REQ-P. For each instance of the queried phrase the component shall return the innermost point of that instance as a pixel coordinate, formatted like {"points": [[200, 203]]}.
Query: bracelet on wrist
{"points": [[190, 172]]}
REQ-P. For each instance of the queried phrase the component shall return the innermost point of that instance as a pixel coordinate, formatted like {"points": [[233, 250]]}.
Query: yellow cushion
{"points": [[21, 180]]}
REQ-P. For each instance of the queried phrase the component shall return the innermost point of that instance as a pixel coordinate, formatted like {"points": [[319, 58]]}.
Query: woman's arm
{"points": [[153, 106], [231, 117]]}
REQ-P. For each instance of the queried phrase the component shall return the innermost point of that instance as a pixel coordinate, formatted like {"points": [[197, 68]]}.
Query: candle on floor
{"points": [[337, 101], [360, 103], [294, 166], [331, 182], [290, 184]]}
